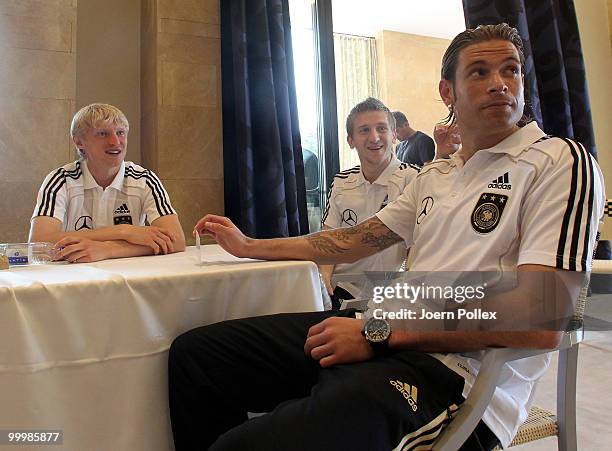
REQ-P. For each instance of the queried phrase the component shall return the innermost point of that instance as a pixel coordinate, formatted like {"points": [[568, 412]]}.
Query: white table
{"points": [[83, 348]]}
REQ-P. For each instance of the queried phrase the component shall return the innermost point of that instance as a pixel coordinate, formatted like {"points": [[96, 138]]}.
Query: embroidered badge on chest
{"points": [[488, 212]]}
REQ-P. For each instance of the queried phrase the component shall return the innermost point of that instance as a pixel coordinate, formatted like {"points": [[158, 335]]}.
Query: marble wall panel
{"points": [[148, 63], [190, 143], [182, 77], [189, 49], [34, 137], [148, 141], [205, 30], [39, 8], [37, 33], [206, 11], [37, 100], [36, 73], [17, 202], [192, 199], [186, 84]]}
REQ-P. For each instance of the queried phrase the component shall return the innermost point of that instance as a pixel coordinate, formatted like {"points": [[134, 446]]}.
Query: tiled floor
{"points": [[594, 391]]}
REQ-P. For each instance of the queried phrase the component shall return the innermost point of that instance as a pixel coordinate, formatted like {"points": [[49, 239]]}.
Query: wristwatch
{"points": [[377, 331]]}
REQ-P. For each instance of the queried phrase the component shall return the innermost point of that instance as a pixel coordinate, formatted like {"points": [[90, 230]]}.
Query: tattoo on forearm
{"points": [[372, 233], [324, 244], [379, 241]]}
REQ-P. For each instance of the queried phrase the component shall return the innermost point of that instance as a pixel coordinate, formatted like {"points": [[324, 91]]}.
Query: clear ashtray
{"points": [[20, 254]]}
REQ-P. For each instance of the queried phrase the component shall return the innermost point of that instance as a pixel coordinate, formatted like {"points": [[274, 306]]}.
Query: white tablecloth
{"points": [[83, 348]]}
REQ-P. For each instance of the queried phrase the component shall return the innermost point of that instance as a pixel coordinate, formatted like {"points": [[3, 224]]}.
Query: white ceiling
{"points": [[438, 18]]}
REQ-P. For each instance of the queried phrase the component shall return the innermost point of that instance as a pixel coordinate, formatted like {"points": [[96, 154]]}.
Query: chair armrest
{"points": [[473, 408]]}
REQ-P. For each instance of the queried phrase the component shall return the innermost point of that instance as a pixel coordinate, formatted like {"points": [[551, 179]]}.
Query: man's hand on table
{"points": [[224, 232], [337, 340], [83, 250]]}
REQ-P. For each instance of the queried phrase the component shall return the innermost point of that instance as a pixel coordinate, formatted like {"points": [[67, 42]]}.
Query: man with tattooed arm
{"points": [[510, 200]]}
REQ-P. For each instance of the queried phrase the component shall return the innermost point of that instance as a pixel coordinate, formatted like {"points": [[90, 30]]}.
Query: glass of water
{"points": [[40, 253]]}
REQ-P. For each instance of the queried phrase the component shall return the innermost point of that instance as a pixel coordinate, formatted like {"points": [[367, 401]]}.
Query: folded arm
{"points": [[165, 236]]}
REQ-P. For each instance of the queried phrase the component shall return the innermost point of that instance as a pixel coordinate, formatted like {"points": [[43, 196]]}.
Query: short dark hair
{"points": [[481, 33], [400, 118], [369, 104]]}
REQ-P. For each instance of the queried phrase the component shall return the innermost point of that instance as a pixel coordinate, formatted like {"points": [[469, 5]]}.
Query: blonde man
{"points": [[97, 207]]}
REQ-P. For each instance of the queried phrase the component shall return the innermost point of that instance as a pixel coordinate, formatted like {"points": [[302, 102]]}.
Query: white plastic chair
{"points": [[540, 423]]}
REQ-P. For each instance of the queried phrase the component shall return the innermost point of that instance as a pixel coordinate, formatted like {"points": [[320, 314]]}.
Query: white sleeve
{"points": [[561, 213], [156, 202], [400, 215], [52, 196], [331, 218]]}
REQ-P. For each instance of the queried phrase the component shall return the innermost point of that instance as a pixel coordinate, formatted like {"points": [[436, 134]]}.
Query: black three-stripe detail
{"points": [[55, 183], [347, 173], [353, 170], [586, 177], [543, 138], [410, 165], [326, 211], [427, 435], [587, 230], [161, 201]]}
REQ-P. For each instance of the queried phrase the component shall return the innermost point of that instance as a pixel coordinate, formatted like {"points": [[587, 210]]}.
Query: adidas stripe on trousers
{"points": [[218, 373]]}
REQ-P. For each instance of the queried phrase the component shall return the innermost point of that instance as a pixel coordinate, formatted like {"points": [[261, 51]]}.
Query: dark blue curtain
{"points": [[265, 193], [555, 80]]}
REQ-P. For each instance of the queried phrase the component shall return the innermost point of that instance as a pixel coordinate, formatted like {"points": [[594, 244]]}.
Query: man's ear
{"points": [[445, 87], [79, 144], [349, 140]]}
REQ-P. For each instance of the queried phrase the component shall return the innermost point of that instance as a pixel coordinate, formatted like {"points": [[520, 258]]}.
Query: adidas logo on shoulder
{"points": [[501, 182], [409, 392]]}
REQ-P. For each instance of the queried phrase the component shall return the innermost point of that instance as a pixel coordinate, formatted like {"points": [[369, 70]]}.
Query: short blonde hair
{"points": [[94, 115]]}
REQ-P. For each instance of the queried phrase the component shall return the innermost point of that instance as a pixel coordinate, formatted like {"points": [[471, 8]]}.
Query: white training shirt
{"points": [[72, 195], [352, 199], [531, 199]]}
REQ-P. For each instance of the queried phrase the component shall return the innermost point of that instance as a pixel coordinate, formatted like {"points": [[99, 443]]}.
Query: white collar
{"points": [[518, 141], [383, 178], [90, 182]]}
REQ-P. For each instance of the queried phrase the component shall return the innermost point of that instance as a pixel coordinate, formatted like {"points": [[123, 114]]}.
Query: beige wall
{"points": [[593, 21], [610, 20], [181, 103], [409, 71], [37, 98], [108, 60]]}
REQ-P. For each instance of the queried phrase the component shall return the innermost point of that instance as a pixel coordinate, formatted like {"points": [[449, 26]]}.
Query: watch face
{"points": [[377, 330]]}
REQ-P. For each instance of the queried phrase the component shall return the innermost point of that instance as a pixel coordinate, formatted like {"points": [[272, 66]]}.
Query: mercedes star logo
{"points": [[426, 205], [84, 222], [349, 216]]}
